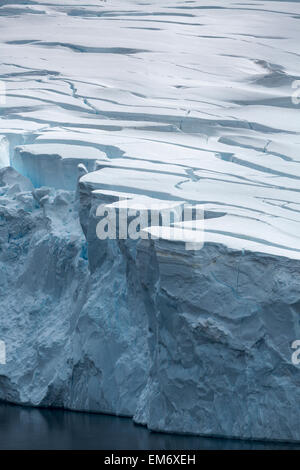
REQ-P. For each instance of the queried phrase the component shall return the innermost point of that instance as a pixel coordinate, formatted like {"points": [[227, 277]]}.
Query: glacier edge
{"points": [[109, 325]]}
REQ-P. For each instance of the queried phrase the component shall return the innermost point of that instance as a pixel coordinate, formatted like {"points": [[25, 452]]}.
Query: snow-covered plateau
{"points": [[179, 101]]}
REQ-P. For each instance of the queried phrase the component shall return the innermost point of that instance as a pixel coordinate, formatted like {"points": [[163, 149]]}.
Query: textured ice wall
{"points": [[184, 341], [75, 336], [221, 342]]}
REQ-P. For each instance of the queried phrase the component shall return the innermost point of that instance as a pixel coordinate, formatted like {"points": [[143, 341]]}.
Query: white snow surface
{"points": [[199, 94], [178, 101]]}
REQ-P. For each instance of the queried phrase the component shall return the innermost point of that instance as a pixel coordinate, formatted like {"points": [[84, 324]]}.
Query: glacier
{"points": [[185, 102]]}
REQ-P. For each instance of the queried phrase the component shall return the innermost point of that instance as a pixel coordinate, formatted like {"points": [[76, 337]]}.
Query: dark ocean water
{"points": [[28, 428]]}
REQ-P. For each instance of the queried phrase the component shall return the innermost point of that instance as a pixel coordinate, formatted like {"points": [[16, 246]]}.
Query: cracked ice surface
{"points": [[179, 101], [202, 92]]}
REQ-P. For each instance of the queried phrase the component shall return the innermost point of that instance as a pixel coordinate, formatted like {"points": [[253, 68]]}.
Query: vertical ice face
{"points": [[75, 316], [221, 343], [54, 164]]}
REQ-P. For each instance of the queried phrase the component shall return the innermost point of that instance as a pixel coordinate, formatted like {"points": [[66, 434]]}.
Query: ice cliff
{"points": [[143, 328], [76, 334], [178, 103]]}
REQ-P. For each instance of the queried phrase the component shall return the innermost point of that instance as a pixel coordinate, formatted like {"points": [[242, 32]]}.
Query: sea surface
{"points": [[43, 429]]}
